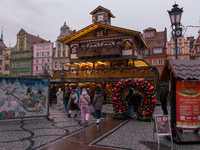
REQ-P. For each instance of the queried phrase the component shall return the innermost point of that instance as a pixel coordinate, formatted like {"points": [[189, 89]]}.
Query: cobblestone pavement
{"points": [[32, 134]]}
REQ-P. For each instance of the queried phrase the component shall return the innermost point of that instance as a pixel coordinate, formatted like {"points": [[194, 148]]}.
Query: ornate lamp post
{"points": [[175, 17]]}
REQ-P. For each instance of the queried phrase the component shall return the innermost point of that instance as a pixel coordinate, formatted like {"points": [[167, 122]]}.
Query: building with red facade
{"points": [[156, 41]]}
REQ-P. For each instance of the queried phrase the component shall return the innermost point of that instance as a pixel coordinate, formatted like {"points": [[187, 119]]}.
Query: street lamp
{"points": [[175, 17]]}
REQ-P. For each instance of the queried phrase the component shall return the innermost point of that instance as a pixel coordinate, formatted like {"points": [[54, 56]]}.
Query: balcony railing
{"points": [[136, 72], [100, 51]]}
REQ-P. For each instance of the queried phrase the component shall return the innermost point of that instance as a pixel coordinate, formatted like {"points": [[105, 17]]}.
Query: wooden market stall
{"points": [[184, 77]]}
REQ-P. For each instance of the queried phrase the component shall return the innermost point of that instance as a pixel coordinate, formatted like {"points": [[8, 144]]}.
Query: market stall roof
{"points": [[95, 26], [182, 69]]}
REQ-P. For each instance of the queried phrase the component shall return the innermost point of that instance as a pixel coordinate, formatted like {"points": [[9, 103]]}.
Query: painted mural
{"points": [[23, 97]]}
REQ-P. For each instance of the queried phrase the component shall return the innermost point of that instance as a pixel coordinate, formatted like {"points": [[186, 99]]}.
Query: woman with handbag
{"points": [[73, 103], [84, 102]]}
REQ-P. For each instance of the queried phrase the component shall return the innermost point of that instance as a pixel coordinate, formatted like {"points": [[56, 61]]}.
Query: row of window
{"points": [[156, 61], [43, 61], [126, 45], [37, 68], [63, 53], [23, 55], [63, 46], [15, 74], [43, 53], [22, 65]]}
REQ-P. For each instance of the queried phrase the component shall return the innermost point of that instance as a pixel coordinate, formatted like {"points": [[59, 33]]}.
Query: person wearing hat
{"points": [[163, 99]]}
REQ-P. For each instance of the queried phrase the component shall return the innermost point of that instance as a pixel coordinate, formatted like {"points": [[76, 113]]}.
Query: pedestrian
{"points": [[66, 97], [97, 103], [51, 96], [137, 100], [59, 95], [84, 102], [73, 98], [130, 100], [163, 99], [104, 95]]}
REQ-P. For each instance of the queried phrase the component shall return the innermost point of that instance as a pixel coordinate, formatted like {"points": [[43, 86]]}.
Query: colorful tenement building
{"points": [[21, 61], [195, 52], [42, 58], [62, 51], [183, 48], [156, 41]]}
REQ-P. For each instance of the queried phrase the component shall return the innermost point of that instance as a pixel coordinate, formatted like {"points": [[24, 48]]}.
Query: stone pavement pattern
{"points": [[31, 134]]}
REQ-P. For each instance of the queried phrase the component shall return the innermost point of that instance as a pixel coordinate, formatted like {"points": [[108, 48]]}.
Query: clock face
{"points": [[100, 17], [178, 32]]}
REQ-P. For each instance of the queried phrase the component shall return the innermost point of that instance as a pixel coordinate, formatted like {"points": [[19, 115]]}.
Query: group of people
{"points": [[134, 99], [74, 99]]}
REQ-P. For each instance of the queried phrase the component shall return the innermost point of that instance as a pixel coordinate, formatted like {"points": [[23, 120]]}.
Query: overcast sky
{"points": [[45, 17]]}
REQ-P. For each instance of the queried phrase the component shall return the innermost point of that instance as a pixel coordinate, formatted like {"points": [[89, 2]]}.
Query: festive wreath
{"points": [[147, 105]]}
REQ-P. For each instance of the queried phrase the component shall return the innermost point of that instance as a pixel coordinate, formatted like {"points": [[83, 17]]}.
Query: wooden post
{"points": [[173, 103], [133, 45]]}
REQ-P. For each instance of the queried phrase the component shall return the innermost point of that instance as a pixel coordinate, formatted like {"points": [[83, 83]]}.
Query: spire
{"points": [[2, 34]]}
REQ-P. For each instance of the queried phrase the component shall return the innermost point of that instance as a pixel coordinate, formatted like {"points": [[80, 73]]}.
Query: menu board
{"points": [[162, 125], [188, 104]]}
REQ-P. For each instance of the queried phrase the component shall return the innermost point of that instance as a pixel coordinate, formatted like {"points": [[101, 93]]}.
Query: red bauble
{"points": [[130, 79], [148, 109], [117, 94], [145, 82], [147, 113], [152, 97], [140, 80], [117, 85], [113, 90], [142, 87], [126, 81], [137, 84], [115, 98], [153, 101], [145, 103]]}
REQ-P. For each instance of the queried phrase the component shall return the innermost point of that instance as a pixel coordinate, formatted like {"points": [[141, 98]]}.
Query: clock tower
{"points": [[102, 15]]}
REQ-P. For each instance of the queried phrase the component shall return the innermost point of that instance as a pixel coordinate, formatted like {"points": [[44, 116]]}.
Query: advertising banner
{"points": [[188, 104], [23, 97], [163, 125]]}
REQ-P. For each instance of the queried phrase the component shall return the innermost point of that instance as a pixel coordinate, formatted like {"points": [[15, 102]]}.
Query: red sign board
{"points": [[162, 125], [188, 104]]}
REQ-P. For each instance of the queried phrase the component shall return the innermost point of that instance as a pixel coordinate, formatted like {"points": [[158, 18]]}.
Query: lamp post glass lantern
{"points": [[175, 17]]}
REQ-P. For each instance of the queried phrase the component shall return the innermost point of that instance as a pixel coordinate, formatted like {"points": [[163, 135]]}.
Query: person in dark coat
{"points": [[137, 100], [97, 103], [163, 99], [130, 100], [66, 97]]}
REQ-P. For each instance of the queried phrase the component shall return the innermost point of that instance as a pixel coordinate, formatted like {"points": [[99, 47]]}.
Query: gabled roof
{"points": [[100, 7], [182, 69], [2, 45], [149, 29], [32, 39], [94, 26]]}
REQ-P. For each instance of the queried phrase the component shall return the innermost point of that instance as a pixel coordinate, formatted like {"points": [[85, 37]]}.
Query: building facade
{"points": [[2, 48], [42, 58], [183, 48], [62, 51], [156, 41], [7, 57], [21, 61], [102, 54], [195, 52]]}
